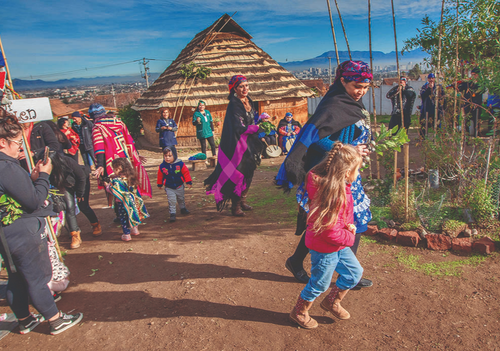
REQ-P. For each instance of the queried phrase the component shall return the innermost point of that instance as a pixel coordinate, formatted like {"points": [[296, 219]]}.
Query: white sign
{"points": [[31, 110]]}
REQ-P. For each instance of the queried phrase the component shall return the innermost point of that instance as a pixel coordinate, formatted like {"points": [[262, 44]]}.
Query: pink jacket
{"points": [[337, 237]]}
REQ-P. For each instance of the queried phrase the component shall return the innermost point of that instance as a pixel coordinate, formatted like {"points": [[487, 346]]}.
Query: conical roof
{"points": [[227, 50]]}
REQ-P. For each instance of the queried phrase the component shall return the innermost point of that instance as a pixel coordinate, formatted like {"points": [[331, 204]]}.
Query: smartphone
{"points": [[46, 155]]}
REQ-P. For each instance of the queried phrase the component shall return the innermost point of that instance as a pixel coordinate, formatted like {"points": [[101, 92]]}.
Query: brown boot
{"points": [[244, 205], [96, 229], [75, 240], [300, 314], [331, 303], [236, 208]]}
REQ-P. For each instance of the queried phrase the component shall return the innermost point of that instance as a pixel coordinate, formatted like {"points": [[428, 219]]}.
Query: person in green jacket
{"points": [[202, 119]]}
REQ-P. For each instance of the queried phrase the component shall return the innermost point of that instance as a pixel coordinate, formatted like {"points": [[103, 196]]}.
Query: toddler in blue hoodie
{"points": [[172, 175]]}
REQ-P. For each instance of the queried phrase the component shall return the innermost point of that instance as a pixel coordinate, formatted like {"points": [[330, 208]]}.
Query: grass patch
{"points": [[273, 205], [368, 240], [449, 268]]}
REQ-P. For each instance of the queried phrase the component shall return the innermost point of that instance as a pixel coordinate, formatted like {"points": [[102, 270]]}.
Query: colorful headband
{"points": [[202, 102], [235, 81], [263, 115], [355, 71], [288, 114]]}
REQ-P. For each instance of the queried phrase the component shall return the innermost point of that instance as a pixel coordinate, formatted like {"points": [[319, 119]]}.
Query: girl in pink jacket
{"points": [[330, 233]]}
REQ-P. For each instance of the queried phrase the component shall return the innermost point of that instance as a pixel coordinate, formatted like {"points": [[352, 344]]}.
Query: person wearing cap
{"points": [[203, 121], [111, 140], [408, 96], [83, 127], [288, 128], [239, 151], [428, 108], [472, 97], [267, 130]]}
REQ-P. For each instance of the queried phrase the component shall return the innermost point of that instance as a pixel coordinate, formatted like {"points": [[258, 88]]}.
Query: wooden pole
{"points": [[456, 77], [343, 29], [373, 87], [400, 105], [333, 33], [395, 169], [6, 65], [426, 123], [438, 72], [407, 171]]}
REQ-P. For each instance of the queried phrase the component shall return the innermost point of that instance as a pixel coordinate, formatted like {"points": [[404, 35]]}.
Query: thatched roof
{"points": [[227, 49]]}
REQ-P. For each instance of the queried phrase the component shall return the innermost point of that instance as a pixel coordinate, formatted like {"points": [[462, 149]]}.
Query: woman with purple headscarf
{"points": [[341, 116], [239, 151]]}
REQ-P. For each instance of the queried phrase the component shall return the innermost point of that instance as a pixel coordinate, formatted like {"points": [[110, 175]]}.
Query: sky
{"points": [[56, 39]]}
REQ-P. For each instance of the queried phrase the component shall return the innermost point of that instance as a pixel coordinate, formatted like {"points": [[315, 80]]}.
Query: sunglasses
{"points": [[18, 142]]}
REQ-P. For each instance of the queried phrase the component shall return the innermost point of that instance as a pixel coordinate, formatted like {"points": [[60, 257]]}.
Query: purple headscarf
{"points": [[235, 81], [354, 71]]}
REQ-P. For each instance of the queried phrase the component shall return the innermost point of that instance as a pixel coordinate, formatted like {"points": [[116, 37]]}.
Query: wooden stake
{"points": [[400, 103], [426, 124], [372, 87], [333, 33], [436, 107], [395, 168], [407, 171], [456, 77], [343, 29]]}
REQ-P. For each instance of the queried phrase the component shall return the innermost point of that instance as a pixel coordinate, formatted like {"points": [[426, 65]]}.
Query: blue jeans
{"points": [[344, 262]]}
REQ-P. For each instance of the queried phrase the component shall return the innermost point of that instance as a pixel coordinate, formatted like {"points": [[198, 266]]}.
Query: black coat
{"points": [[41, 136], [85, 135]]}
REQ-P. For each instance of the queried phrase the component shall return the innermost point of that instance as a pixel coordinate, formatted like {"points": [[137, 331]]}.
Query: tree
{"points": [[415, 72], [477, 30], [132, 120]]}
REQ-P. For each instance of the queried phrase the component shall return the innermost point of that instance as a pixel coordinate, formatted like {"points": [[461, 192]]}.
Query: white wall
{"points": [[383, 106]]}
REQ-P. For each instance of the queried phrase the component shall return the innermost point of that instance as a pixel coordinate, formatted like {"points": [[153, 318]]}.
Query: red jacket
{"points": [[337, 236], [74, 140]]}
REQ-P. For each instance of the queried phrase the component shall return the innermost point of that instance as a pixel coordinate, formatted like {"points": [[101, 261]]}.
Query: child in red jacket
{"points": [[172, 174], [330, 233]]}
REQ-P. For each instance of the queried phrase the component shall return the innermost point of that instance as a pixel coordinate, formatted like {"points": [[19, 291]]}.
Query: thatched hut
{"points": [[226, 49]]}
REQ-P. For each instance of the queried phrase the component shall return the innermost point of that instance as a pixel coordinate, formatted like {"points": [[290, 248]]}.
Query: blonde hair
{"points": [[330, 179]]}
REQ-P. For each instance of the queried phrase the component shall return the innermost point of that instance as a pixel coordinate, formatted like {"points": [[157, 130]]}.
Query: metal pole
{"points": [[333, 33]]}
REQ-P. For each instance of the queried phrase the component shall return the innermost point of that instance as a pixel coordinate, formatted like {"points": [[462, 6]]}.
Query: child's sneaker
{"points": [[64, 322], [172, 217], [185, 211], [126, 237], [31, 323], [57, 297], [134, 231]]}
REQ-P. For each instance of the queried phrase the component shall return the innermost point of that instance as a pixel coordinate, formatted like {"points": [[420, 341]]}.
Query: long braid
{"points": [[334, 151]]}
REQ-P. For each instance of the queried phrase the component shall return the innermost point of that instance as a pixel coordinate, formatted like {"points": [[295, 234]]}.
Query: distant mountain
{"points": [[379, 58], [22, 85]]}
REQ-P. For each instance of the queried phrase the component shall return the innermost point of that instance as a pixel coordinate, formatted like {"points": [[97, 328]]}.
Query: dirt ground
{"points": [[211, 281]]}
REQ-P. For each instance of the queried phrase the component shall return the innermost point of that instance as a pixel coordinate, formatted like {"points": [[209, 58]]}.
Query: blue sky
{"points": [[52, 36]]}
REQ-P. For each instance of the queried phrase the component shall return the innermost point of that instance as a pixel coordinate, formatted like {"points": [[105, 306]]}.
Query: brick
{"points": [[388, 233], [371, 231], [409, 238], [461, 244], [484, 245], [438, 242]]}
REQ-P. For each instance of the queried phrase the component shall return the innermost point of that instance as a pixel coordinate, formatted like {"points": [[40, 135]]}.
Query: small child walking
{"points": [[128, 201], [172, 174], [330, 233]]}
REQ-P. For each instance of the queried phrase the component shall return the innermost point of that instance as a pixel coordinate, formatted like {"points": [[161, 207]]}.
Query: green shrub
{"points": [[132, 120], [413, 225], [477, 197]]}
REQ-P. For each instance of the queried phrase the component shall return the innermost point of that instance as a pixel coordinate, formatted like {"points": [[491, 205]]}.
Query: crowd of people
{"points": [[323, 159]]}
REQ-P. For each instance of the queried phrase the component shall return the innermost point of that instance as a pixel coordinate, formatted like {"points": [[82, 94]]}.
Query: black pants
{"points": [[270, 139], [203, 143], [84, 204], [396, 121], [69, 198], [31, 257]]}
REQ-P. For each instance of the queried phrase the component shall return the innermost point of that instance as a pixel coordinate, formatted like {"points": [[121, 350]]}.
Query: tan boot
{"points": [[300, 314], [244, 205], [96, 229], [236, 208], [331, 303], [75, 240]]}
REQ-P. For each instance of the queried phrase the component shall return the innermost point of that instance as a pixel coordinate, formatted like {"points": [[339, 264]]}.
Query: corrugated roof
{"points": [[228, 50]]}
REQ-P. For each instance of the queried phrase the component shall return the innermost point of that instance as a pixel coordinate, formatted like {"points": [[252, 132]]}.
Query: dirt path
{"points": [[214, 282]]}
